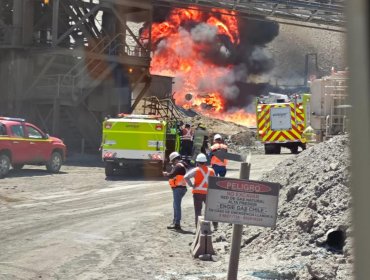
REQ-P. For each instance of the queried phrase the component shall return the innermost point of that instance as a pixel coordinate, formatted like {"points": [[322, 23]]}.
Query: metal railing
{"points": [[78, 80]]}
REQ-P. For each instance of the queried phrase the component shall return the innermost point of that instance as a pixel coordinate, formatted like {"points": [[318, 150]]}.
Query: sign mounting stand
{"points": [[232, 272], [241, 202]]}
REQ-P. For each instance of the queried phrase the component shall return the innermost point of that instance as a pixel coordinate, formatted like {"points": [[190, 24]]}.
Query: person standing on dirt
{"points": [[201, 175], [218, 165], [186, 140], [178, 185]]}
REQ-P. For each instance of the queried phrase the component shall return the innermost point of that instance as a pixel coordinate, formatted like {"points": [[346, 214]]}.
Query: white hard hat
{"points": [[217, 136], [174, 155], [201, 158]]}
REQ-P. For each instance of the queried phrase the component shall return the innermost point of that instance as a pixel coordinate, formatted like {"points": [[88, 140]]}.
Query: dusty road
{"points": [[79, 225]]}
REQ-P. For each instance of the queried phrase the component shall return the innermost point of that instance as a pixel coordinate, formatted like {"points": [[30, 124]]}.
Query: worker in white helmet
{"points": [[178, 186], [201, 175], [218, 165]]}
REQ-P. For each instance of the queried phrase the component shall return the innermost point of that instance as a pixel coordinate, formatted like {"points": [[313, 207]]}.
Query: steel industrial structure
{"points": [[65, 64], [323, 14]]}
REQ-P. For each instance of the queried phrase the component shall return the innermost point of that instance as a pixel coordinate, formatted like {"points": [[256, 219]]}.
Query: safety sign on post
{"points": [[242, 202]]}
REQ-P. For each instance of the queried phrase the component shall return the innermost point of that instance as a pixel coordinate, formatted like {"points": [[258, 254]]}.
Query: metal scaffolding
{"points": [[58, 58]]}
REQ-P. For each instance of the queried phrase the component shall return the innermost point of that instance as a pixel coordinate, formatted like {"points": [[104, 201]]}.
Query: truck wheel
{"points": [[55, 163], [17, 166], [294, 149], [269, 149], [277, 149], [4, 165], [109, 169]]}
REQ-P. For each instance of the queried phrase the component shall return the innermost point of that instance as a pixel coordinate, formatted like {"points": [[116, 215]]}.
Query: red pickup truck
{"points": [[23, 143]]}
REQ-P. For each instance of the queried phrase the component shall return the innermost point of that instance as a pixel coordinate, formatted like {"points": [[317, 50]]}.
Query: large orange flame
{"points": [[180, 53]]}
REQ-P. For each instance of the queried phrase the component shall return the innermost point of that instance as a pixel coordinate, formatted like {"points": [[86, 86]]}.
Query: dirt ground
{"points": [[80, 225]]}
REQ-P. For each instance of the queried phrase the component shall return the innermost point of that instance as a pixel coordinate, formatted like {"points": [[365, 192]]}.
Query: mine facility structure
{"points": [[66, 64], [330, 105]]}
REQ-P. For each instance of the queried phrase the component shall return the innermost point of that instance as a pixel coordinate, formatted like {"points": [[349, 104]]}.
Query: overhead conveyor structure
{"points": [[323, 14]]}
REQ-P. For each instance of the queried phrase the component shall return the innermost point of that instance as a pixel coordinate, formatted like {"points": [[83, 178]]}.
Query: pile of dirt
{"points": [[244, 138], [313, 235], [214, 126]]}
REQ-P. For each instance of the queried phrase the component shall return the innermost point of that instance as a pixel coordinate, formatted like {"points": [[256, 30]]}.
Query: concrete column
{"points": [[56, 110], [27, 24], [17, 22], [4, 82], [55, 27]]}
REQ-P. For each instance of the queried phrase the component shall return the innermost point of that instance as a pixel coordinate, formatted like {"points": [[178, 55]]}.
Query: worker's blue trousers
{"points": [[220, 171], [178, 194]]}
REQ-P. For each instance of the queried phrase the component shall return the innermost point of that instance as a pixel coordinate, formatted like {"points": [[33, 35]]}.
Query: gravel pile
{"points": [[244, 138], [244, 142], [312, 239]]}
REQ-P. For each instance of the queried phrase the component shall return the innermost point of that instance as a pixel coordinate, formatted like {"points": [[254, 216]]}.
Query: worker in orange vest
{"points": [[178, 185], [186, 140], [218, 165], [200, 174]]}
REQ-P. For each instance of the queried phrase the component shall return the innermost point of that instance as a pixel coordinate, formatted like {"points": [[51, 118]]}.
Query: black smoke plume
{"points": [[249, 56]]}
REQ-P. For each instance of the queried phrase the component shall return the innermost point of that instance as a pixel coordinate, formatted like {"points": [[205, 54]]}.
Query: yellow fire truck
{"points": [[142, 141], [281, 121]]}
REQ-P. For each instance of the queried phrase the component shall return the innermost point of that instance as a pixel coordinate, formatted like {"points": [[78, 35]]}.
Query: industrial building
{"points": [[66, 64]]}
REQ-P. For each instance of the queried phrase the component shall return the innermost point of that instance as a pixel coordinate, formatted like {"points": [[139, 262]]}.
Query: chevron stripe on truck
{"points": [[282, 124]]}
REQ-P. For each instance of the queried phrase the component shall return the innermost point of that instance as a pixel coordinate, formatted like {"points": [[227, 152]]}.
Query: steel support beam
{"points": [[76, 18], [142, 4], [78, 24], [55, 22], [320, 15], [17, 22], [123, 22], [78, 15]]}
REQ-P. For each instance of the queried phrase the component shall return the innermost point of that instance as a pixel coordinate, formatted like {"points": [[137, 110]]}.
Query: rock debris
{"points": [[313, 235]]}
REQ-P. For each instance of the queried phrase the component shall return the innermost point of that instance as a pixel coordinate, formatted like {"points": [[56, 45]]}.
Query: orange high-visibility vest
{"points": [[187, 134], [178, 180], [201, 179], [215, 160]]}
